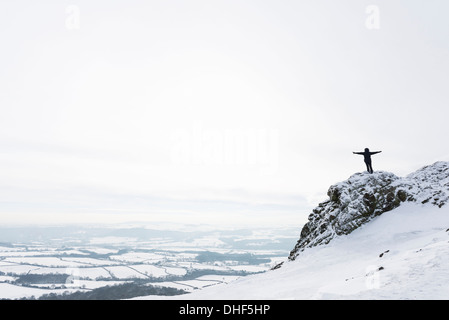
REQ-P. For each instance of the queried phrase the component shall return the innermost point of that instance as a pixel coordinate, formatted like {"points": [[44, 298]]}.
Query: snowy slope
{"points": [[378, 236], [402, 254]]}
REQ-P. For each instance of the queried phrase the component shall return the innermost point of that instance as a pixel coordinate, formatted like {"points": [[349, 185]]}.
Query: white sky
{"points": [[212, 111]]}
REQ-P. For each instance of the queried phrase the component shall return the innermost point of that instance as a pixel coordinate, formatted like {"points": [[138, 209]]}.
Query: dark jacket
{"points": [[367, 154]]}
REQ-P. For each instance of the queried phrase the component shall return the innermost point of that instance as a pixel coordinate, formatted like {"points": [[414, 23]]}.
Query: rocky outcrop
{"points": [[430, 184], [365, 196]]}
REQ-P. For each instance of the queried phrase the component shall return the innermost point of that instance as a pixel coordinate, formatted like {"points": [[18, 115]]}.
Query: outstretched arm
{"points": [[358, 153], [375, 152]]}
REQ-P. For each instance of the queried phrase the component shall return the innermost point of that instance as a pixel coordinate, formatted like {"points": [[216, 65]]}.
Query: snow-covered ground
{"points": [[70, 263], [402, 254]]}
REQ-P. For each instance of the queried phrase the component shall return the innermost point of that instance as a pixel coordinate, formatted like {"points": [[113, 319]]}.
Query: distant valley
{"points": [[120, 262]]}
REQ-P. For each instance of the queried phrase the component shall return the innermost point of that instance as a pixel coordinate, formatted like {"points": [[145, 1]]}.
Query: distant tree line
{"points": [[116, 292], [36, 278], [32, 279], [248, 258]]}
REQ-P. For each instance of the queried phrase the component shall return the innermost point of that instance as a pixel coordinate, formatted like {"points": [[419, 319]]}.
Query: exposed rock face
{"points": [[364, 196]]}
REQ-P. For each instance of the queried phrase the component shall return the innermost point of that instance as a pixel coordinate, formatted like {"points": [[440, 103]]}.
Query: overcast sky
{"points": [[212, 111]]}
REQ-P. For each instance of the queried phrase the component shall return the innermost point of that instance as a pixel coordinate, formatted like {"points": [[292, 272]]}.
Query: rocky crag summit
{"points": [[362, 197]]}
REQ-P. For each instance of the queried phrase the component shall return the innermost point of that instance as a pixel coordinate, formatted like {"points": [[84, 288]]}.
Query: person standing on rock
{"points": [[367, 155]]}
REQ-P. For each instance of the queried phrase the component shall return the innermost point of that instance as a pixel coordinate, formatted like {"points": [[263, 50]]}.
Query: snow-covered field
{"points": [[60, 262], [402, 254]]}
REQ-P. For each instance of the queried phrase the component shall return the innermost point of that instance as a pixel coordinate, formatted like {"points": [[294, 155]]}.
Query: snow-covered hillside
{"points": [[401, 252], [356, 201]]}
